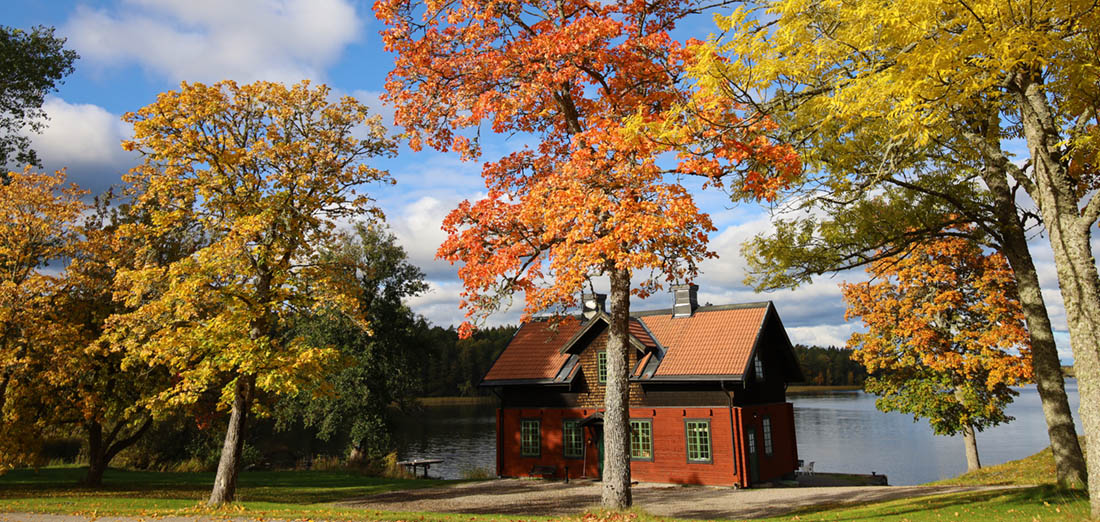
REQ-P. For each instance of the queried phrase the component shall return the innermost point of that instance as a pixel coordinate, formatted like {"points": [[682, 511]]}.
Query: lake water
{"points": [[839, 431]]}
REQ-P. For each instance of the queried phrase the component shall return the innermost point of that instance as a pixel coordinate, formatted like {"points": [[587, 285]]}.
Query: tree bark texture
{"points": [[1069, 461], [229, 466], [1055, 194], [971, 442], [616, 417]]}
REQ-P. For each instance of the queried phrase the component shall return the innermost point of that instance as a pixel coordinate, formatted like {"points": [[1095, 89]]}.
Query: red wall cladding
{"points": [[784, 456], [669, 463]]}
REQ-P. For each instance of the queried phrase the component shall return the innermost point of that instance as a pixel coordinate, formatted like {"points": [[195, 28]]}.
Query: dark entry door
{"points": [[750, 444], [599, 449]]}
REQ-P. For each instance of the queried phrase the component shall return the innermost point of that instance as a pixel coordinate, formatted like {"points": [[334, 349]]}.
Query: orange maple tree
{"points": [[945, 336], [599, 193]]}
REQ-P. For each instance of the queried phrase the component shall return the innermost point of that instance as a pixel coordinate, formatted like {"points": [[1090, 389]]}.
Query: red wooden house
{"points": [[707, 395]]}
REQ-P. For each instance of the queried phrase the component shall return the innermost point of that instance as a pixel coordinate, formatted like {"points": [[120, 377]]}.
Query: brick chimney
{"points": [[592, 304], [687, 300]]}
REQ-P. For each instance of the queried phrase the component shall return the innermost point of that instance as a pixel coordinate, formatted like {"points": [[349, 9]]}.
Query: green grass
{"points": [[290, 495], [1038, 469], [307, 495], [297, 487], [1031, 503]]}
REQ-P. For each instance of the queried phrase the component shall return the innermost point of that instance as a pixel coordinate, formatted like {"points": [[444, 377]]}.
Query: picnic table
{"points": [[412, 464]]}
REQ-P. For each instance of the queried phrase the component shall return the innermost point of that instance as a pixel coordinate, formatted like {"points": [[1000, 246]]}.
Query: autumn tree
{"points": [[37, 217], [918, 100], [350, 403], [88, 384], [32, 64], [943, 323], [266, 171], [591, 198]]}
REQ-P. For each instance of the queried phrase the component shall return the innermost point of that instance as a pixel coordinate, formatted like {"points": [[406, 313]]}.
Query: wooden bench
{"points": [[544, 471], [411, 465]]}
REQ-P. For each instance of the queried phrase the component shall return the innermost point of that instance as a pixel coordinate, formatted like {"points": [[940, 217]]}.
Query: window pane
{"points": [[601, 366], [641, 439], [767, 436], [573, 435], [529, 438], [698, 441]]}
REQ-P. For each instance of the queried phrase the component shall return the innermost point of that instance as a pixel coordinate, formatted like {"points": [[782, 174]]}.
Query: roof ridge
{"points": [[705, 308]]}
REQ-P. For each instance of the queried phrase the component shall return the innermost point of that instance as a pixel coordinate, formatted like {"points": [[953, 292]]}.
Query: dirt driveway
{"points": [[523, 497], [536, 497]]}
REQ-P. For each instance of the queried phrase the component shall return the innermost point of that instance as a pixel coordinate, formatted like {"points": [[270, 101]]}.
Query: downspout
{"points": [[500, 418], [733, 435]]}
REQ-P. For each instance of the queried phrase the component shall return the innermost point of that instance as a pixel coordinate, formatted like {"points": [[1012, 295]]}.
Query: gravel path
{"points": [[535, 497]]}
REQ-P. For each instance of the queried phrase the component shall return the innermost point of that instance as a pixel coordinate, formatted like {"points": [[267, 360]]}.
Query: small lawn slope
{"points": [[1038, 469]]}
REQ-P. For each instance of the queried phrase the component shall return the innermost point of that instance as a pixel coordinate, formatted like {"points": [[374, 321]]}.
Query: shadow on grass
{"points": [[296, 487], [1002, 501]]}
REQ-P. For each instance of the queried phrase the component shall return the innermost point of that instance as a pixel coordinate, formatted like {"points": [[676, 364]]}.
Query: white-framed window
{"points": [[758, 368]]}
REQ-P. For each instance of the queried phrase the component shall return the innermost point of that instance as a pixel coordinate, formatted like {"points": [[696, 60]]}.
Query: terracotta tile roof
{"points": [[533, 352], [641, 334], [711, 342]]}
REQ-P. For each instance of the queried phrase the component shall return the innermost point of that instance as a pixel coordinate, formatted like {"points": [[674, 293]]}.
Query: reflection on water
{"points": [[465, 437], [839, 431], [842, 431]]}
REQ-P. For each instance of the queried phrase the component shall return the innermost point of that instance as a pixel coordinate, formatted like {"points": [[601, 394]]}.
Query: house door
{"points": [[750, 445], [599, 450]]}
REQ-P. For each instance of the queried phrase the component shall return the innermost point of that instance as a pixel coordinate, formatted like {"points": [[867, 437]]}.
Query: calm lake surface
{"points": [[839, 431]]}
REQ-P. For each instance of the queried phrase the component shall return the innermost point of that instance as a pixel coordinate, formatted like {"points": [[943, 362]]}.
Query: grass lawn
{"points": [[1030, 503], [307, 495], [1036, 469], [268, 494]]}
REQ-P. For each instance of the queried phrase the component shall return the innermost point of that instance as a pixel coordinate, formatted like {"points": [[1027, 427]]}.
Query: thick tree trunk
{"points": [[102, 450], [1056, 196], [616, 417], [229, 466], [96, 451], [1069, 462], [971, 442]]}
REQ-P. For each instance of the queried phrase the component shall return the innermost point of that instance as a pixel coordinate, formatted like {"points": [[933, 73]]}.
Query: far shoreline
{"points": [[794, 389]]}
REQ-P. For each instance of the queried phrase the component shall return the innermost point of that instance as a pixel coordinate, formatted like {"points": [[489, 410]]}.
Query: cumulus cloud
{"points": [[210, 40], [84, 139]]}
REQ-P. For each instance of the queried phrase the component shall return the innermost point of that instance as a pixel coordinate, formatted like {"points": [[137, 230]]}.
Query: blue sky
{"points": [[133, 49]]}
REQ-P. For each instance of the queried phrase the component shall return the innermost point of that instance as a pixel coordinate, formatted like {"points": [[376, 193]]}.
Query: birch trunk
{"points": [[971, 442], [1069, 461], [616, 417], [229, 466], [1055, 194]]}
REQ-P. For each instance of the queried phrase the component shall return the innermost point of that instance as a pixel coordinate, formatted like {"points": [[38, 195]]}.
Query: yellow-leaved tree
{"points": [[925, 96], [266, 172], [37, 216]]}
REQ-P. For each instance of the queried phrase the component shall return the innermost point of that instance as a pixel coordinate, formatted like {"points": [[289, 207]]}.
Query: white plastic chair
{"points": [[807, 469]]}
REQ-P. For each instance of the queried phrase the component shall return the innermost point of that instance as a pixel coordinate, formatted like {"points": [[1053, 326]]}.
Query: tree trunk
{"points": [[1056, 196], [96, 451], [101, 451], [1069, 462], [616, 417], [971, 442], [229, 466]]}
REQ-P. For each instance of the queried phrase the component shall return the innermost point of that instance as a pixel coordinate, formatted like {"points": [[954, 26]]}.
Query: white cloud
{"points": [[86, 140], [211, 40], [822, 335]]}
